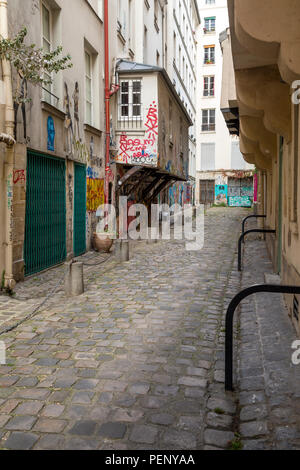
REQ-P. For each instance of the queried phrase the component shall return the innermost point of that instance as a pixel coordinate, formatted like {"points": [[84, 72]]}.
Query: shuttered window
{"points": [[237, 160], [208, 157]]}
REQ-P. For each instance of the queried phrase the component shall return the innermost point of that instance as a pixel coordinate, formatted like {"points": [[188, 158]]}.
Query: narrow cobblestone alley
{"points": [[134, 363]]}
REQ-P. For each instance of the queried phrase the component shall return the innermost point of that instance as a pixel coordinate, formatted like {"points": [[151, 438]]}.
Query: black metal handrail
{"points": [[254, 230], [251, 217], [272, 288]]}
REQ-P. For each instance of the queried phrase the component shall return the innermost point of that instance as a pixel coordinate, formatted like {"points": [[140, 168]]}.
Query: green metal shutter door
{"points": [[79, 209], [45, 227]]}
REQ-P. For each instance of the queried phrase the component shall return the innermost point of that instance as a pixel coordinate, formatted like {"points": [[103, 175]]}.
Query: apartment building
{"points": [[182, 23], [144, 69], [223, 177]]}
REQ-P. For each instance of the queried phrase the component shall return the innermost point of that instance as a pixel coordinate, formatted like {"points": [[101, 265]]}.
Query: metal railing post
{"points": [[254, 230], [251, 217]]}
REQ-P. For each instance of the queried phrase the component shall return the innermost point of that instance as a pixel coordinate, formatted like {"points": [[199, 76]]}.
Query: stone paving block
{"points": [[21, 423], [21, 441], [252, 412], [180, 440], [47, 425], [162, 418], [144, 434], [139, 388], [84, 428], [225, 405], [50, 442], [53, 411], [254, 429], [112, 430], [218, 438], [29, 408]]}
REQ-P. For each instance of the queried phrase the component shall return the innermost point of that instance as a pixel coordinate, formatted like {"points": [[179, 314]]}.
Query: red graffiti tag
{"points": [[19, 176], [152, 120]]}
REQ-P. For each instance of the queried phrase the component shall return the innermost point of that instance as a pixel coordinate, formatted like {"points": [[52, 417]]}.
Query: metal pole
{"points": [[256, 230], [250, 217], [271, 288]]}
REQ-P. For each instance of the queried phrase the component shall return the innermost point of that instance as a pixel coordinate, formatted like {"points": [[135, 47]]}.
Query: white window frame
{"points": [[211, 50], [44, 5], [130, 104], [90, 78], [208, 22], [209, 124], [209, 78]]}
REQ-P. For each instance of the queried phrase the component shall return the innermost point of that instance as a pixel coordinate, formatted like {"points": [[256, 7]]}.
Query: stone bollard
{"points": [[124, 251], [74, 284], [117, 249]]}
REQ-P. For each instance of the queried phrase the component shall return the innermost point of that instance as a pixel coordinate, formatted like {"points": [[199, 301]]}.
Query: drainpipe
{"points": [[107, 98], [109, 92], [8, 138]]}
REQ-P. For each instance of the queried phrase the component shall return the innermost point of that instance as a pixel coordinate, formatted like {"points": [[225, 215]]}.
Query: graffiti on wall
{"points": [[239, 201], [19, 177], [221, 193], [74, 145], [141, 151], [50, 134], [95, 193]]}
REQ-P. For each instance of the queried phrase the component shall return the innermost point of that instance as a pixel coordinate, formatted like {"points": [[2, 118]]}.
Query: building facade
{"points": [[56, 173], [266, 68], [53, 176], [182, 24], [223, 177], [162, 34]]}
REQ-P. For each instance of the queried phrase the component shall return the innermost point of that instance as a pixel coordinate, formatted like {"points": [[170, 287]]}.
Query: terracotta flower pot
{"points": [[103, 241]]}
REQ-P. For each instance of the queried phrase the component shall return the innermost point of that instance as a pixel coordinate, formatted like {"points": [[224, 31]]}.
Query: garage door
{"points": [[45, 224]]}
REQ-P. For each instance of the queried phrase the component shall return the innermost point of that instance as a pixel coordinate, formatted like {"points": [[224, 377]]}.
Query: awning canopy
{"points": [[143, 184]]}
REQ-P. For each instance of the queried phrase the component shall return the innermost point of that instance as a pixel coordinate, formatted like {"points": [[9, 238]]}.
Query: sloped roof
{"points": [[126, 66]]}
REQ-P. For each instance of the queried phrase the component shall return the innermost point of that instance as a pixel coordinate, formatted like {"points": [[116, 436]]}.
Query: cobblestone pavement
{"points": [[137, 362], [269, 384]]}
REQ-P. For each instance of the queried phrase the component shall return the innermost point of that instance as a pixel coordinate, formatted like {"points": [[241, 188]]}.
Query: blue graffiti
{"points": [[51, 134]]}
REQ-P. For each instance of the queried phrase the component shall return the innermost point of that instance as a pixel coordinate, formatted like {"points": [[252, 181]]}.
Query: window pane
{"points": [[88, 89], [87, 64], [46, 23], [136, 86], [46, 46], [88, 113], [136, 111], [124, 110], [125, 87], [124, 99], [136, 99]]}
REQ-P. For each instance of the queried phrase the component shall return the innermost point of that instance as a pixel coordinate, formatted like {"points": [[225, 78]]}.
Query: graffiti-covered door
{"points": [[240, 192], [79, 209], [45, 225], [207, 191]]}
